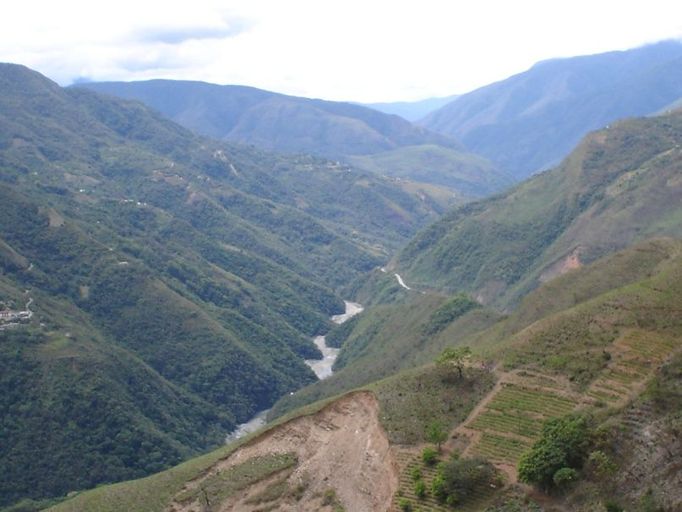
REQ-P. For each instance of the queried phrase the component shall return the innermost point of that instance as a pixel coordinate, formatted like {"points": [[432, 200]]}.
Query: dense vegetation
{"points": [[467, 174], [384, 144], [618, 187], [175, 284], [555, 458], [175, 281], [529, 122]]}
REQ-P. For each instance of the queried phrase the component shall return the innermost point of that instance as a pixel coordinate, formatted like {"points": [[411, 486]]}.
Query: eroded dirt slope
{"points": [[342, 458]]}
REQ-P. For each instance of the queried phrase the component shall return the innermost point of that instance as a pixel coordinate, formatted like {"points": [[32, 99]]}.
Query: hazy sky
{"points": [[365, 50]]}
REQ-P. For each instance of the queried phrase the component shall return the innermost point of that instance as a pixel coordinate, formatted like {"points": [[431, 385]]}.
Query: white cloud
{"points": [[357, 50]]}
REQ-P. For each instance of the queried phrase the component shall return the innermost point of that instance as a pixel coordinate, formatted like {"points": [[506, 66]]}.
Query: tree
{"points": [[563, 444], [429, 456], [436, 434], [461, 478], [454, 358]]}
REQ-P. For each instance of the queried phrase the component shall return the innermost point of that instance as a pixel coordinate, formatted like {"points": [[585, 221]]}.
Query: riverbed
{"points": [[321, 367]]}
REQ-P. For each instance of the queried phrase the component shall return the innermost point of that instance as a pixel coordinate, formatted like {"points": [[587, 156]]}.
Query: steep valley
{"points": [[176, 282], [517, 353]]}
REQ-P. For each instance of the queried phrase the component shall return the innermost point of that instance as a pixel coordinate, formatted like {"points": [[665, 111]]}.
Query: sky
{"points": [[366, 51]]}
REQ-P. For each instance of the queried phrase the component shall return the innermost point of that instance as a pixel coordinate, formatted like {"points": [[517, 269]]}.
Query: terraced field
{"points": [[512, 420], [408, 461], [635, 354]]}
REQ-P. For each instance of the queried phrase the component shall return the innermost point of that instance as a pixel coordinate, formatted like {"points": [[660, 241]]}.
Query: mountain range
{"points": [[412, 110], [353, 133], [530, 121], [619, 186], [517, 353], [174, 281]]}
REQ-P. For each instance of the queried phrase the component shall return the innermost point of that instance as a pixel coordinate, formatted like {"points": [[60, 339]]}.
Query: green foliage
{"points": [[438, 487], [420, 488], [429, 456], [177, 281], [338, 334], [563, 444], [436, 434], [464, 173], [462, 478], [274, 121], [612, 506], [404, 505], [600, 465], [454, 358], [564, 477], [598, 201], [447, 313], [416, 473]]}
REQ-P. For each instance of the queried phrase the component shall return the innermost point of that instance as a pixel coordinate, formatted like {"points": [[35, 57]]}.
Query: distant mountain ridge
{"points": [[531, 120], [412, 110], [384, 144], [275, 121]]}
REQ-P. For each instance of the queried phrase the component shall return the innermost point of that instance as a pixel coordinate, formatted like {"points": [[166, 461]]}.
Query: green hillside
{"points": [[174, 282], [621, 185], [274, 121], [375, 141], [607, 350], [530, 121], [465, 173]]}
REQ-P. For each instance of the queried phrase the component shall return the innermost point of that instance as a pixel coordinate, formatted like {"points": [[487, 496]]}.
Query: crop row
{"points": [[650, 346], [501, 448], [514, 398], [514, 423]]}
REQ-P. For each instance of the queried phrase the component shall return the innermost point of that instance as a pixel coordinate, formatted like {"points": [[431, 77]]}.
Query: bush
{"points": [[404, 505], [438, 487], [420, 488], [612, 506], [563, 444], [429, 456], [462, 478], [416, 473], [565, 477], [600, 465]]}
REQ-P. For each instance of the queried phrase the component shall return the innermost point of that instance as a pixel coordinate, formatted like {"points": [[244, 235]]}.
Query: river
{"points": [[321, 367]]}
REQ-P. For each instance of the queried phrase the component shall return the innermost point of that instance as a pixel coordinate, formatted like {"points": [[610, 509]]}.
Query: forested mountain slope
{"points": [[170, 283], [601, 344], [388, 144], [622, 184]]}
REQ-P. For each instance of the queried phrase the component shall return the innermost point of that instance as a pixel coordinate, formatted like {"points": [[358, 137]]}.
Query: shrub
{"points": [[612, 506], [600, 465], [462, 478], [564, 477], [429, 456], [404, 505], [438, 487], [563, 444], [416, 473], [420, 488]]}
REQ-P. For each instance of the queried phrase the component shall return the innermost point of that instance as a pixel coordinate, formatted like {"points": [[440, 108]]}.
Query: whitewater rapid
{"points": [[321, 367]]}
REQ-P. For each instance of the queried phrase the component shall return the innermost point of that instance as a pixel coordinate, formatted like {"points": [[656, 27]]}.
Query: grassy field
{"points": [[414, 399]]}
